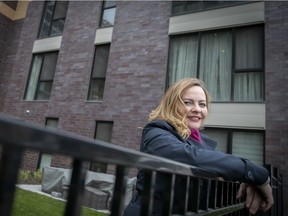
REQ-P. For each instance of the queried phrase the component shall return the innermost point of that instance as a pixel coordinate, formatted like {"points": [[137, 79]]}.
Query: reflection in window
{"points": [[108, 14], [45, 159], [98, 75], [103, 132], [41, 76], [53, 18]]}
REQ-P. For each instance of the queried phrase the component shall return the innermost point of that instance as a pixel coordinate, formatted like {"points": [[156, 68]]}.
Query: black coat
{"points": [[161, 139]]}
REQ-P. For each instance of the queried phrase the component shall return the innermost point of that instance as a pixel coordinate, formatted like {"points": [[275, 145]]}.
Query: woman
{"points": [[173, 133]]}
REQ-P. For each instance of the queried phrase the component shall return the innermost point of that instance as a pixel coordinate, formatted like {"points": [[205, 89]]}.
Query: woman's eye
{"points": [[202, 105], [187, 103]]}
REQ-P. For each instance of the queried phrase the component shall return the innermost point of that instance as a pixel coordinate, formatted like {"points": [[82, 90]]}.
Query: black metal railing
{"points": [[211, 196]]}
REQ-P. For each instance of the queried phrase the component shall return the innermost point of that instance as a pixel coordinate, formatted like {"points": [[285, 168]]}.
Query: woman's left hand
{"points": [[254, 198]]}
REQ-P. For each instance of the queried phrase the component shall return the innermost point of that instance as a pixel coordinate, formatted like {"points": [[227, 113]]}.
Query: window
{"points": [[108, 13], [98, 74], [103, 132], [247, 144], [180, 7], [53, 18], [44, 158], [41, 76], [229, 61]]}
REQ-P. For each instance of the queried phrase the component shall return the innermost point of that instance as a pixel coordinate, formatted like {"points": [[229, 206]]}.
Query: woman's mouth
{"points": [[194, 118]]}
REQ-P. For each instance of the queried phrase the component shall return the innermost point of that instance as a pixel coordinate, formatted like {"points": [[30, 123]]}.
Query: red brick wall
{"points": [[276, 88], [135, 76]]}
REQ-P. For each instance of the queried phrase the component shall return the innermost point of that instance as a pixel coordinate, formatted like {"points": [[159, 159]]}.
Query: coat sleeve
{"points": [[161, 142]]}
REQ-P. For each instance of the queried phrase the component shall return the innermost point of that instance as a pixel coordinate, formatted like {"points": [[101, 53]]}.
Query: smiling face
{"points": [[195, 102]]}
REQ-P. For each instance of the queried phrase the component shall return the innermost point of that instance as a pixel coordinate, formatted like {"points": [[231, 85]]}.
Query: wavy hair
{"points": [[172, 108]]}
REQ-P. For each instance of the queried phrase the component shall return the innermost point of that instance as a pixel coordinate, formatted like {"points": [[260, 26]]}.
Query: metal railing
{"points": [[217, 197]]}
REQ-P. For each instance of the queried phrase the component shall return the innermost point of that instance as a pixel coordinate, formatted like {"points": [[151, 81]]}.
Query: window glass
{"points": [[180, 7], [100, 61], [210, 56], [49, 65], [43, 91], [241, 143], [46, 19], [108, 17], [96, 89], [108, 14], [183, 58], [34, 77], [60, 10], [108, 4], [57, 27], [248, 87], [249, 48], [220, 136], [248, 145], [41, 76], [53, 18], [98, 75], [45, 159], [103, 132], [215, 64]]}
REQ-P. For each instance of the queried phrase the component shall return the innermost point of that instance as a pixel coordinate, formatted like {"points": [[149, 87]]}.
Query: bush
{"points": [[29, 177]]}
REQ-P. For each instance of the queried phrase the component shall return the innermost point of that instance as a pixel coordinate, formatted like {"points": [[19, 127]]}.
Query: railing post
{"points": [[280, 195], [194, 201], [76, 188], [119, 191], [9, 168], [148, 193], [168, 194]]}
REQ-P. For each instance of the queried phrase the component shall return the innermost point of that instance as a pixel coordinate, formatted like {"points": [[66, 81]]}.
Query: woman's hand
{"points": [[257, 198], [266, 192]]}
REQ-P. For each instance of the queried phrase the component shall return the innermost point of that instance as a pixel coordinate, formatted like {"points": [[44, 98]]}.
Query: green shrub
{"points": [[29, 177]]}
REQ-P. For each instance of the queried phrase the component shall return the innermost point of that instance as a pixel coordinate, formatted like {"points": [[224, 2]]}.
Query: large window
{"points": [[247, 144], [103, 132], [53, 18], [45, 159], [108, 13], [41, 76], [229, 61], [180, 7], [98, 74]]}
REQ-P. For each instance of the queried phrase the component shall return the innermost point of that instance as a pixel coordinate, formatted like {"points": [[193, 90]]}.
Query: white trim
{"points": [[217, 18], [237, 115], [47, 44], [103, 35]]}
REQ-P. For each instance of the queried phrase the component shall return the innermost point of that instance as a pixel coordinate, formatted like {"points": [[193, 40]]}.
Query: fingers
{"points": [[256, 198], [241, 191], [253, 200], [266, 192]]}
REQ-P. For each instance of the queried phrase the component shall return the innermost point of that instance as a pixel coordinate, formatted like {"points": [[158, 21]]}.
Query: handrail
{"points": [[17, 136]]}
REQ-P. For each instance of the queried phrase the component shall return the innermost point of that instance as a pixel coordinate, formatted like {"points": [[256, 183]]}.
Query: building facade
{"points": [[98, 68]]}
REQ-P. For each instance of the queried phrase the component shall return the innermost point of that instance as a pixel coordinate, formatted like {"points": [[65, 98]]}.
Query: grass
{"points": [[28, 203]]}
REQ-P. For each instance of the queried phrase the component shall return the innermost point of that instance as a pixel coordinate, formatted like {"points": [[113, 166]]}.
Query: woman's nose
{"points": [[196, 108]]}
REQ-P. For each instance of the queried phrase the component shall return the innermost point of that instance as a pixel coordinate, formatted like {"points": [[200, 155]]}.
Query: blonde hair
{"points": [[170, 106]]}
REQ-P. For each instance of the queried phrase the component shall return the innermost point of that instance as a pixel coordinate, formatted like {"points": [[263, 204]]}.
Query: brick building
{"points": [[97, 68]]}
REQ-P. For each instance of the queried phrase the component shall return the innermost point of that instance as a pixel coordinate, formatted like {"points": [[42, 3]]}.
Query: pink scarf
{"points": [[195, 134]]}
